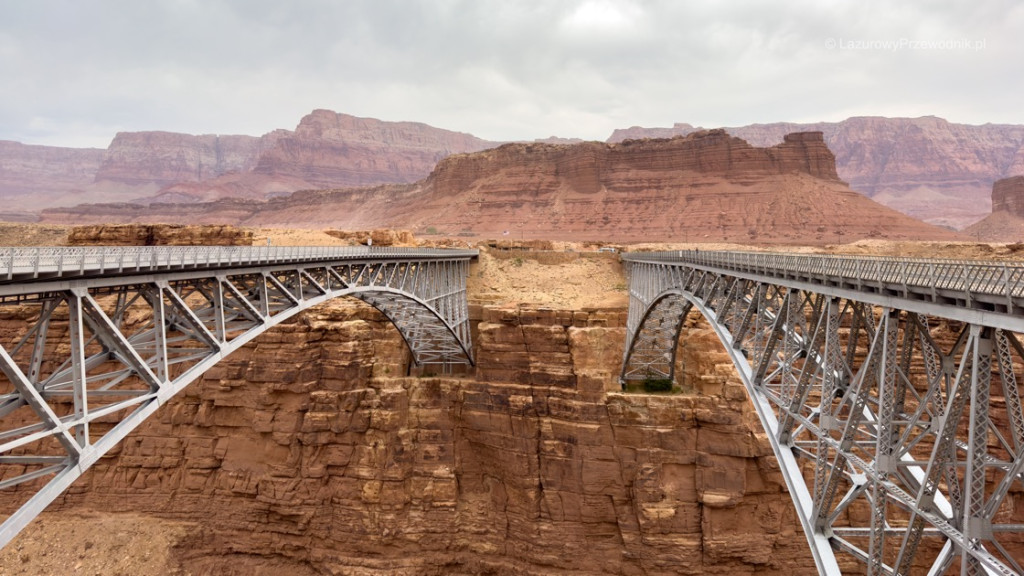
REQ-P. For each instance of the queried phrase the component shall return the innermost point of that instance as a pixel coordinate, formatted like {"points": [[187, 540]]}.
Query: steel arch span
{"points": [[874, 380], [108, 335]]}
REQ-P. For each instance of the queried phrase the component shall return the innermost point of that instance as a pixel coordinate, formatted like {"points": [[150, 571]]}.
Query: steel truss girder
{"points": [[130, 346], [885, 432]]}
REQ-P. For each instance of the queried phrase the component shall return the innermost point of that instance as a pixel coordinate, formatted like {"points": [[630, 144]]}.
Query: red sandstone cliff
{"points": [[1008, 196], [331, 150], [704, 187], [934, 170], [164, 158], [326, 150], [309, 451], [30, 174], [926, 167], [1006, 222]]}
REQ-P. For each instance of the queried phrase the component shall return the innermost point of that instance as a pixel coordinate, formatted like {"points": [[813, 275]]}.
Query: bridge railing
{"points": [[969, 278], [23, 263]]}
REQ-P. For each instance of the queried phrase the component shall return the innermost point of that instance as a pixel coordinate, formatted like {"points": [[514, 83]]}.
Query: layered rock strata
{"points": [[326, 150], [1006, 222], [928, 168], [705, 187], [1008, 196], [165, 158], [35, 177], [331, 150], [310, 451], [158, 235]]}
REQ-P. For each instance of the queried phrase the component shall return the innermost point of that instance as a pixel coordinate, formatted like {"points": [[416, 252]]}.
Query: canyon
{"points": [[705, 187], [319, 449]]}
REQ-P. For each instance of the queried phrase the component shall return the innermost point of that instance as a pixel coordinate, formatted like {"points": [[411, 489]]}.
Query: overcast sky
{"points": [[75, 72]]}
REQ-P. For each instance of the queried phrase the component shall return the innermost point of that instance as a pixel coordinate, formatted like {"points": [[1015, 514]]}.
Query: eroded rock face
{"points": [[326, 150], [378, 237], [158, 235], [589, 167], [310, 448], [1008, 196], [706, 187], [34, 177], [164, 158], [1006, 222], [925, 167], [331, 150]]}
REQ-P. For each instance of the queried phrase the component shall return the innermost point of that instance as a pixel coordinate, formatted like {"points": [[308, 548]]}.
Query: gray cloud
{"points": [[77, 71]]}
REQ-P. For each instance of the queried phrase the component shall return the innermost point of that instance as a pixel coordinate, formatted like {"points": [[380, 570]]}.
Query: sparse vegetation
{"points": [[655, 385]]}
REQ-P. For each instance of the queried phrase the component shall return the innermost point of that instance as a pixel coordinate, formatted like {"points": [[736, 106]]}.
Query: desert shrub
{"points": [[657, 384]]}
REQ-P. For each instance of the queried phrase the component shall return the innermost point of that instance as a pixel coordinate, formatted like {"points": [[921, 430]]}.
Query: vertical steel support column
{"points": [[42, 329], [220, 330], [1010, 387], [774, 334], [887, 433], [159, 336], [976, 526], [78, 380], [826, 421], [941, 455]]}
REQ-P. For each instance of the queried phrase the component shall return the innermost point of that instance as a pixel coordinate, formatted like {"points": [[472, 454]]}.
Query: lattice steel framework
{"points": [[109, 335], [874, 379]]}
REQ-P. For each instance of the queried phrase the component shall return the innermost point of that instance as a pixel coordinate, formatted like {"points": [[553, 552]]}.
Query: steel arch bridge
{"points": [[874, 380], [110, 334]]}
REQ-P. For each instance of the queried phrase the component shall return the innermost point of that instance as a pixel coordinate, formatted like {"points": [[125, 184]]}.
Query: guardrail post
{"points": [[966, 284], [1009, 290]]}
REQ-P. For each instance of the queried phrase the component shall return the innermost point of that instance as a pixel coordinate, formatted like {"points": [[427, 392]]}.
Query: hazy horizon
{"points": [[79, 71]]}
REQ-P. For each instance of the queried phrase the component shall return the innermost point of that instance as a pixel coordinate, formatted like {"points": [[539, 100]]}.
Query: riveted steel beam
{"points": [[874, 380], [144, 323]]}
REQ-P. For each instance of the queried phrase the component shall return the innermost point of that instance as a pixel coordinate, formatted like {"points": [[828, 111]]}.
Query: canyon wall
{"points": [[1006, 222], [935, 170], [326, 150], [926, 167], [164, 158], [1008, 196], [705, 187], [157, 235], [30, 174], [310, 451], [331, 150]]}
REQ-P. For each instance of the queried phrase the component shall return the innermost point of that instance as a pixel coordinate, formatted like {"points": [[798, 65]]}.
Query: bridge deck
{"points": [[976, 291], [20, 267]]}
